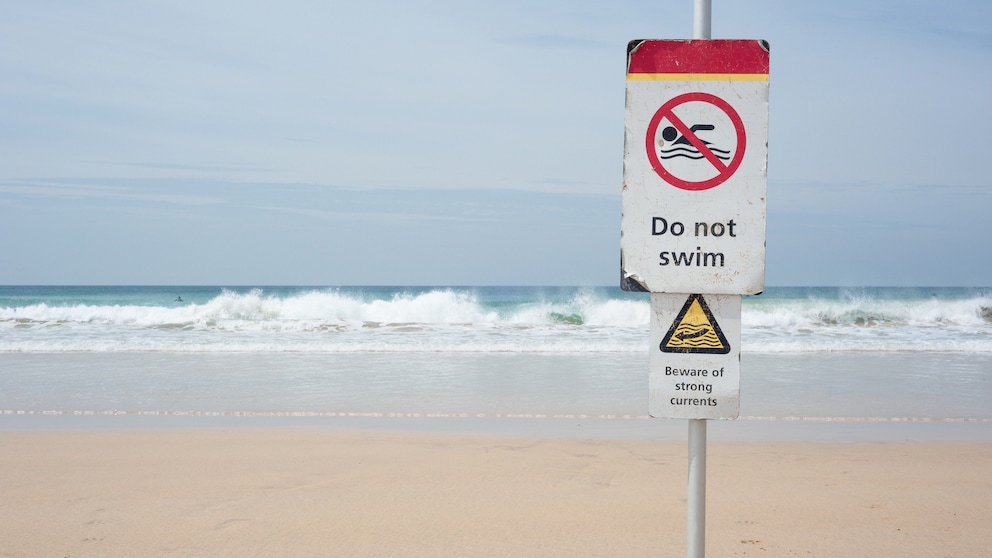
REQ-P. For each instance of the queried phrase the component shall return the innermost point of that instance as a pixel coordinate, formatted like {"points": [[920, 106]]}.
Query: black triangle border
{"points": [[709, 316]]}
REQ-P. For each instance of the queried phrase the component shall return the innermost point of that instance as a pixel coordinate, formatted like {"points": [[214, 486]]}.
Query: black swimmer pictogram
{"points": [[676, 139], [682, 147]]}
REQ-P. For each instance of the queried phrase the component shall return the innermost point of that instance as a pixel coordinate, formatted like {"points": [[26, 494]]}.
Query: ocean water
{"points": [[837, 353]]}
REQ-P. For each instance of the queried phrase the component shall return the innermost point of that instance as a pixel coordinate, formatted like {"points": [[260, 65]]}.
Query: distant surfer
{"points": [[179, 299]]}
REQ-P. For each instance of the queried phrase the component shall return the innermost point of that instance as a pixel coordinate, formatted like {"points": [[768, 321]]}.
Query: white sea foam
{"points": [[865, 323], [460, 320]]}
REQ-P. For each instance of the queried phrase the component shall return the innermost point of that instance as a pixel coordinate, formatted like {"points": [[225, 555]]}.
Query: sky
{"points": [[466, 143]]}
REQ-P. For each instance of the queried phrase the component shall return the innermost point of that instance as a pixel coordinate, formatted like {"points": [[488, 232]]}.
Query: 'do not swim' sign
{"points": [[695, 167]]}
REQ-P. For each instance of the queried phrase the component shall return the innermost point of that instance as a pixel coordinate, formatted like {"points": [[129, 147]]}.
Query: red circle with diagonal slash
{"points": [[724, 171]]}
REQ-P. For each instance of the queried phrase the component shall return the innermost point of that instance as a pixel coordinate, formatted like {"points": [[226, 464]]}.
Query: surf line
{"points": [[333, 414]]}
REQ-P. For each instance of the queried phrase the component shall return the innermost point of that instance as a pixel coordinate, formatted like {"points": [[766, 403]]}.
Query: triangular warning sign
{"points": [[695, 330]]}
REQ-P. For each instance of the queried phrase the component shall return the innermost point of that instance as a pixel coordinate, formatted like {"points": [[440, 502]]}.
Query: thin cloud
{"points": [[369, 216], [73, 191], [203, 168], [555, 41]]}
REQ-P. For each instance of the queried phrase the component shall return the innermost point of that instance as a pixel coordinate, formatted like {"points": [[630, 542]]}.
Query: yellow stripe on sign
{"points": [[697, 77]]}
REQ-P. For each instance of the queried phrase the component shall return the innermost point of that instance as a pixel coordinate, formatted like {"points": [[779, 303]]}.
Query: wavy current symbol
{"points": [[699, 333], [694, 335], [682, 147], [695, 330]]}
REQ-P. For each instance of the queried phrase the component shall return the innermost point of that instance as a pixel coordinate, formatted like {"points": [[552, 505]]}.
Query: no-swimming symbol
{"points": [[695, 330], [680, 146], [681, 141]]}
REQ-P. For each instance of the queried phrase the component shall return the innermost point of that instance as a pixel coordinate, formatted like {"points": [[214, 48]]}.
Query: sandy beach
{"points": [[330, 492]]}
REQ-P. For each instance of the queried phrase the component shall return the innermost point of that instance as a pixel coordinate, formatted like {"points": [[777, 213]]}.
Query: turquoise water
{"points": [[839, 353], [479, 319]]}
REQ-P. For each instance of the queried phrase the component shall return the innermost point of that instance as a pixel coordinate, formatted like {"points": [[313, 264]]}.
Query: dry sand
{"points": [[323, 492]]}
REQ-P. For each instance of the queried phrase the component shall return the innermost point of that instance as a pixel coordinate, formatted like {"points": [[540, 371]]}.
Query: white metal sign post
{"points": [[695, 356], [693, 225], [695, 160]]}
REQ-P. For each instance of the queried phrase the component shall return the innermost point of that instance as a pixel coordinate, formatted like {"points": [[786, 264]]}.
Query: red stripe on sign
{"points": [[697, 57]]}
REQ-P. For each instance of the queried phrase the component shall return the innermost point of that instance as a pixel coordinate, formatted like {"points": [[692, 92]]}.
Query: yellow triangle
{"points": [[695, 330]]}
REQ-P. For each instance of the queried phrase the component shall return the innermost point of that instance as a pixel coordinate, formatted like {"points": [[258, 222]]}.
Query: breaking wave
{"points": [[482, 319]]}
